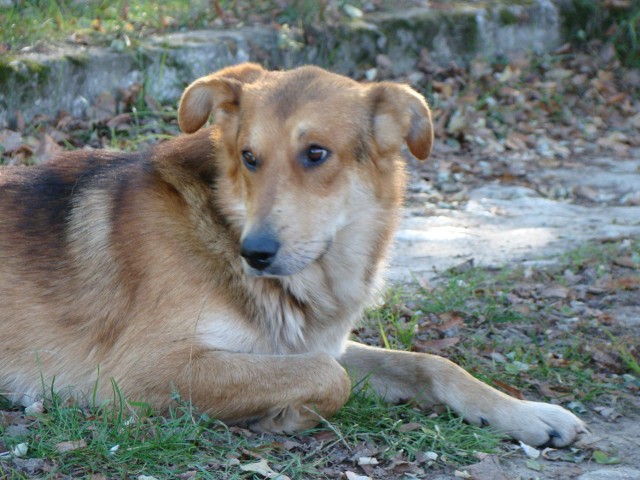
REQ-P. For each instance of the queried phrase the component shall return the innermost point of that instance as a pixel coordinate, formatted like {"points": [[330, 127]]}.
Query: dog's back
{"points": [[77, 239]]}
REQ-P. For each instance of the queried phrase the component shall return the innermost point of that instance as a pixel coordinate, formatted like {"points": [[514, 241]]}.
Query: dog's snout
{"points": [[259, 250]]}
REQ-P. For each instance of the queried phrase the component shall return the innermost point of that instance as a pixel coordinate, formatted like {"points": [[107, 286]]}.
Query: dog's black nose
{"points": [[259, 250]]}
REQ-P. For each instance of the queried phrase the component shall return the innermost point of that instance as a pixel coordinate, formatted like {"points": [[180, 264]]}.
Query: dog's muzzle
{"points": [[259, 250]]}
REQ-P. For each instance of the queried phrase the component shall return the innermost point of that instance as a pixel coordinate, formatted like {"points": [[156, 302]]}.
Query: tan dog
{"points": [[231, 263]]}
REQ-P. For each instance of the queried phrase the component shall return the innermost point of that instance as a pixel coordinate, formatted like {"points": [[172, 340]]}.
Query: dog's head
{"points": [[306, 151]]}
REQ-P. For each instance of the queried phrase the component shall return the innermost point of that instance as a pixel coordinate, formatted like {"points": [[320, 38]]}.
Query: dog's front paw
{"points": [[541, 424], [286, 420]]}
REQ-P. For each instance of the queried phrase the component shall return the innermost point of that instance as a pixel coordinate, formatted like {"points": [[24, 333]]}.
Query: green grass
{"points": [[367, 419], [124, 444], [98, 21], [121, 23]]}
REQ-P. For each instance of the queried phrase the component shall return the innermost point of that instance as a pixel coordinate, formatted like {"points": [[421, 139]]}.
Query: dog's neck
{"points": [[317, 308]]}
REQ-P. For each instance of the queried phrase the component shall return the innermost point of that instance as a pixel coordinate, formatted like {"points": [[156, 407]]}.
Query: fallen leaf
{"points": [[516, 141], [34, 409], [434, 346], [10, 141], [355, 476], [625, 283], [29, 465], [450, 321], [511, 390], [119, 119], [262, 468], [188, 475], [529, 451], [409, 427], [604, 459], [556, 291], [488, 468], [517, 367], [430, 456], [608, 413], [606, 360], [533, 465], [325, 436], [545, 389], [290, 445], [20, 450], [104, 108], [47, 149], [70, 446]]}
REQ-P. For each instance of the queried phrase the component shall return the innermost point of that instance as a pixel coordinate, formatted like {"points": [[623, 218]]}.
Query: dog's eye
{"points": [[249, 160], [315, 155]]}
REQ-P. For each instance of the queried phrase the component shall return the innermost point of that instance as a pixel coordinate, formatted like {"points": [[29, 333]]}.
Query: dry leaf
{"points": [[630, 282], [188, 475], [10, 140], [409, 427], [434, 346], [529, 451], [119, 119], [325, 436], [104, 108], [556, 291], [262, 468], [450, 320], [513, 391], [488, 468], [355, 476], [70, 446], [34, 409], [545, 389], [608, 413], [47, 149], [20, 450]]}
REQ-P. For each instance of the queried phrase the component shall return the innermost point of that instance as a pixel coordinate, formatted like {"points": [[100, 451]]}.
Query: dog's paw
{"points": [[286, 420], [542, 424]]}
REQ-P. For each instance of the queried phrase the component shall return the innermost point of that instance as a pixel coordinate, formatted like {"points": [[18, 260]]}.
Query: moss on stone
{"points": [[463, 31], [19, 71], [507, 17], [78, 59]]}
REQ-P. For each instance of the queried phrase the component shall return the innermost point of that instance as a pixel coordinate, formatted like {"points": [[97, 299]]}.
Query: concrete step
{"points": [[70, 77]]}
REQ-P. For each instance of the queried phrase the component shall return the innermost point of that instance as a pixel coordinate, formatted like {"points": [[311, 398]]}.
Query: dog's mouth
{"points": [[280, 263]]}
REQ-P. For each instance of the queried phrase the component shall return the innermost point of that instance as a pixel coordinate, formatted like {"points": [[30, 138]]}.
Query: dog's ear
{"points": [[219, 92], [400, 113]]}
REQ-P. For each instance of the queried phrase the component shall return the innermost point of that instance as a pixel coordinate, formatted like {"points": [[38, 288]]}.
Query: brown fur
{"points": [[130, 266]]}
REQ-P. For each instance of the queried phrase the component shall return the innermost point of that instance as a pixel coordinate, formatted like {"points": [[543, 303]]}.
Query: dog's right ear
{"points": [[219, 92]]}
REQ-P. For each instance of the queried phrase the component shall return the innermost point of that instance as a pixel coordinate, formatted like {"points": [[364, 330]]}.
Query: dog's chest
{"points": [[276, 322]]}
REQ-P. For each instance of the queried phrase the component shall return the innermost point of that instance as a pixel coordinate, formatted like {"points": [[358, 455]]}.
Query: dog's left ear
{"points": [[219, 92], [401, 113]]}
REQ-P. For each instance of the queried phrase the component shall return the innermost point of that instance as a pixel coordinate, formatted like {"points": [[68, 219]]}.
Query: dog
{"points": [[230, 263]]}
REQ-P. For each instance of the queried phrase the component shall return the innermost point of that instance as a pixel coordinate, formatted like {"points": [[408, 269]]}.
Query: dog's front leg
{"points": [[431, 380], [270, 393]]}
